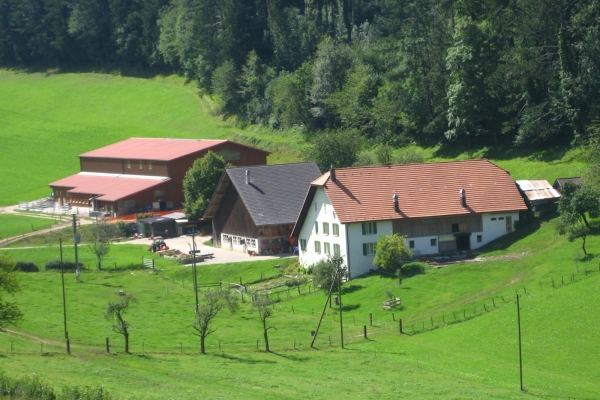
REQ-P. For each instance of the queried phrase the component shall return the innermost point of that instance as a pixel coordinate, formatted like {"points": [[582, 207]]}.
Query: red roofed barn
{"points": [[141, 174], [438, 207]]}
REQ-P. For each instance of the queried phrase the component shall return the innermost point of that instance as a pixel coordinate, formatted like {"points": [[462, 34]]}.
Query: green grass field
{"points": [[15, 225], [50, 119], [473, 358]]}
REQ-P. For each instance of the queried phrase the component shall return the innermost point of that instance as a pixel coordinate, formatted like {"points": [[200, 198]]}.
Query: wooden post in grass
{"points": [[107, 346], [553, 282], [454, 313], [219, 345], [464, 314], [400, 325], [257, 344], [525, 289], [393, 317], [484, 307], [493, 302], [520, 352], [293, 312], [432, 320], [365, 331], [370, 319]]}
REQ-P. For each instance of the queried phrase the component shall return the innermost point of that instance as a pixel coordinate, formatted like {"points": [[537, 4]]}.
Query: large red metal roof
{"points": [[424, 190], [156, 149], [108, 187]]}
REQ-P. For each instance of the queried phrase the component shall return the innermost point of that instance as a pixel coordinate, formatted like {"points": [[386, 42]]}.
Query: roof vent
{"points": [[332, 174], [463, 197], [396, 205], [247, 177]]}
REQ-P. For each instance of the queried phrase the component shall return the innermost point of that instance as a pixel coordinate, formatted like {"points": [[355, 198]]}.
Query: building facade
{"points": [[141, 174], [437, 207]]}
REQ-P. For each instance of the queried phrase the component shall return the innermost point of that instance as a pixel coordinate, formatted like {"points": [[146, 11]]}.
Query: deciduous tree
{"points": [[212, 303], [264, 306], [200, 182], [116, 312], [391, 252], [9, 312]]}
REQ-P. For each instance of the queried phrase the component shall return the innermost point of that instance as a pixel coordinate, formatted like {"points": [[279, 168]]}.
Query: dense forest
{"points": [[477, 72]]}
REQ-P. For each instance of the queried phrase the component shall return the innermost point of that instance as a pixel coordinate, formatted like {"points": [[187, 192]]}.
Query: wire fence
{"points": [[357, 327]]}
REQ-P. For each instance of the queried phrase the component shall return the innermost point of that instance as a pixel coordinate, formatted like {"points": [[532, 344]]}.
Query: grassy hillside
{"points": [[473, 358], [47, 120], [14, 225]]}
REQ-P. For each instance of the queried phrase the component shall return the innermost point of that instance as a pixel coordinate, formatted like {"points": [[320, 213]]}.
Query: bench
{"points": [[206, 255], [391, 303]]}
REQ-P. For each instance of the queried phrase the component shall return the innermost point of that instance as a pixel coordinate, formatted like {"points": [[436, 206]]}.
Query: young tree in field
{"points": [[265, 310], [572, 226], [579, 200], [200, 182], [116, 311], [100, 235], [325, 273], [391, 252], [9, 312], [213, 302]]}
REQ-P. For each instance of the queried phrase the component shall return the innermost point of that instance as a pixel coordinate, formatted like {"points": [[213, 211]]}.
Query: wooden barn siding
{"points": [[417, 227], [233, 218], [275, 231]]}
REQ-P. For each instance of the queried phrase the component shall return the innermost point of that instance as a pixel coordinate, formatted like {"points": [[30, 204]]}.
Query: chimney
{"points": [[396, 206], [247, 177], [332, 174], [463, 197]]}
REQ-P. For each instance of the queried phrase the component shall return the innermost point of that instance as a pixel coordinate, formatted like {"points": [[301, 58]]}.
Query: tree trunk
{"points": [[266, 335], [583, 246], [126, 335], [202, 338], [585, 221]]}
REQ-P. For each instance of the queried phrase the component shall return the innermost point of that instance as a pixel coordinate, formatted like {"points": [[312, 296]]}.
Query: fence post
{"points": [[393, 317], [329, 340], [256, 344], [432, 320], [525, 289], [107, 346], [400, 325], [365, 331], [493, 302], [293, 312], [42, 347], [454, 313], [371, 319], [353, 319], [219, 345]]}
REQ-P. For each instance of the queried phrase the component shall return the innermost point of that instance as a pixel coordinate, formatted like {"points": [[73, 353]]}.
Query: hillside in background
{"points": [[470, 72], [47, 120]]}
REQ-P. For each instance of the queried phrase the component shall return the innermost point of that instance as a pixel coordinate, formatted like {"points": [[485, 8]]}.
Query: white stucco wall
{"points": [[360, 264], [322, 212], [493, 228]]}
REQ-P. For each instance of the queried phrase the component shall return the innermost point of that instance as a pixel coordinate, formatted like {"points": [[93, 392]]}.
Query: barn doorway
{"points": [[463, 242]]}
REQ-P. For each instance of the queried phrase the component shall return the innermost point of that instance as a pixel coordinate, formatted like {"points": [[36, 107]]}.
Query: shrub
{"points": [[414, 268], [27, 266], [56, 264]]}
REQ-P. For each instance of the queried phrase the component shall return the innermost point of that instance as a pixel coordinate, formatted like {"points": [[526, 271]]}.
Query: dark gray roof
{"points": [[275, 193]]}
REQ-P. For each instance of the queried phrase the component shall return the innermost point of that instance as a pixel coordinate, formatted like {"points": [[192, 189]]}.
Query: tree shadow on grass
{"points": [[243, 360], [351, 289], [351, 307], [290, 357]]}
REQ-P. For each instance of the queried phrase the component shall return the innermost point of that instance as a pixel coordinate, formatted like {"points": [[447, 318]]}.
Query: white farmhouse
{"points": [[438, 208]]}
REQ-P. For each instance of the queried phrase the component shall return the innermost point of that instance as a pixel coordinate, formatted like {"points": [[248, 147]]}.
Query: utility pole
{"points": [[339, 277], [76, 239], [62, 275], [520, 352], [194, 269]]}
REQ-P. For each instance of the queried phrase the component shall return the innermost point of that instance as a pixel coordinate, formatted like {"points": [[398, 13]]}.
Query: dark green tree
{"points": [[9, 312], [100, 235], [335, 148], [579, 200], [571, 225], [200, 182]]}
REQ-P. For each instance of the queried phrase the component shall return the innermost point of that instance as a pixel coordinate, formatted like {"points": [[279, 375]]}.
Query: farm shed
{"points": [[165, 226], [254, 209], [538, 193], [142, 174], [560, 182], [438, 207]]}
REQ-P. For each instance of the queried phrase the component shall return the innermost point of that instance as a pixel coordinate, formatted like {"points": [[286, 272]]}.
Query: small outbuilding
{"points": [[254, 209], [164, 226], [560, 182], [538, 193]]}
